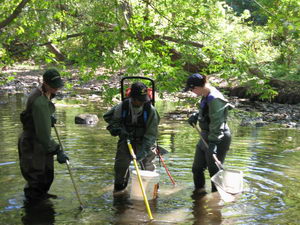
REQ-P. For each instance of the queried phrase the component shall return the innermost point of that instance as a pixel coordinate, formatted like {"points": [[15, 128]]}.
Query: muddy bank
{"points": [[288, 92], [27, 77], [253, 113]]}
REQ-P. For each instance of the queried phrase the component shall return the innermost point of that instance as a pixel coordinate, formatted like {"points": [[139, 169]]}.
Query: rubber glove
{"points": [[212, 148], [141, 155], [53, 120], [124, 134], [62, 157], [193, 119], [114, 131]]}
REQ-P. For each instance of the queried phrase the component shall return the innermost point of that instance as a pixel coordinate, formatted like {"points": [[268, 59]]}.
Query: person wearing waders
{"points": [[35, 145], [135, 119], [212, 118]]}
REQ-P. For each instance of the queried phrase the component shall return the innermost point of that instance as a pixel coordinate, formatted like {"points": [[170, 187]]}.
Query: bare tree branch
{"points": [[15, 13], [62, 39], [58, 55]]}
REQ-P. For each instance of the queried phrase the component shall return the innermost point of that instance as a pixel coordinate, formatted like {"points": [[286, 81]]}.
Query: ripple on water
{"points": [[7, 163]]}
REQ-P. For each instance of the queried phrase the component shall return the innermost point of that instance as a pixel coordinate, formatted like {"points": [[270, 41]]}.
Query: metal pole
{"points": [[68, 167]]}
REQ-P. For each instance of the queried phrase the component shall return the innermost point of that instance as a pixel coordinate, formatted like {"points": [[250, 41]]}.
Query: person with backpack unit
{"points": [[35, 145], [212, 118], [136, 119]]}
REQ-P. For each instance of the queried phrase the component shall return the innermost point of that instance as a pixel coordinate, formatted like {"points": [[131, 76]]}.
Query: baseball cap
{"points": [[139, 91], [194, 80], [53, 79]]}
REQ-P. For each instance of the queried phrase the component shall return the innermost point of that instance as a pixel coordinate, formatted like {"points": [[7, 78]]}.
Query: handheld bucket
{"points": [[150, 182]]}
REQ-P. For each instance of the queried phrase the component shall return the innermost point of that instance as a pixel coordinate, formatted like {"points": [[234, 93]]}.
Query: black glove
{"points": [[114, 131], [141, 155], [62, 157], [125, 135], [212, 148], [53, 120], [193, 119]]}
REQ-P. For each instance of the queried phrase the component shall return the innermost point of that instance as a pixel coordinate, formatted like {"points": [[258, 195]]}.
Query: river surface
{"points": [[266, 156]]}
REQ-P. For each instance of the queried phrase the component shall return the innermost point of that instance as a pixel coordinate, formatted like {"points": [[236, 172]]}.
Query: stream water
{"points": [[266, 155]]}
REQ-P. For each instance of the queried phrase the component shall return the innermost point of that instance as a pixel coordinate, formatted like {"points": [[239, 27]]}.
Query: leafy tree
{"points": [[163, 39], [239, 6]]}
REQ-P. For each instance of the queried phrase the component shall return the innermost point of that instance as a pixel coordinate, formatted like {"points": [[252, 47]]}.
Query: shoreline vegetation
{"points": [[249, 110]]}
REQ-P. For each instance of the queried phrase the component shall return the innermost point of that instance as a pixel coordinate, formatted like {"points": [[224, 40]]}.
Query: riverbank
{"points": [[250, 111]]}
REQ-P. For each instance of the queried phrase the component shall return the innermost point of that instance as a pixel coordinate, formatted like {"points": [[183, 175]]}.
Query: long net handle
{"points": [[168, 172], [217, 161], [140, 180], [75, 187], [69, 169]]}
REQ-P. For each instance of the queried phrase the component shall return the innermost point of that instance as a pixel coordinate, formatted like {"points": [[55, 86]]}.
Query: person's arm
{"points": [[114, 119], [108, 116], [150, 135], [42, 123], [217, 109]]}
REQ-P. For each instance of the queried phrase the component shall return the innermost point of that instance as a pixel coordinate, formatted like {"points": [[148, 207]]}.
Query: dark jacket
{"points": [[36, 120], [213, 111], [147, 132]]}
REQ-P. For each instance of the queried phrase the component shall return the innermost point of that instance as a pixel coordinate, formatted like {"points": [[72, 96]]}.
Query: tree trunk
{"points": [[58, 55]]}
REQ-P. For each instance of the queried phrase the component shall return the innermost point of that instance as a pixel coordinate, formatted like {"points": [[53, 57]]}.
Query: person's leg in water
{"points": [[36, 168], [121, 167], [222, 149], [199, 166]]}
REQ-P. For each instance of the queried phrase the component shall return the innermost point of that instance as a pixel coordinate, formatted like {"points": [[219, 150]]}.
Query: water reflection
{"points": [[207, 209], [37, 213], [271, 176], [128, 211]]}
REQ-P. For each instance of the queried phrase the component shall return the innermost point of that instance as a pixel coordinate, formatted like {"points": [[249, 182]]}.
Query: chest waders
{"points": [[203, 158], [36, 166], [138, 130], [123, 157]]}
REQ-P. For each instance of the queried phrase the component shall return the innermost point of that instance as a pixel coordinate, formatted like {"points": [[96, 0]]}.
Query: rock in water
{"points": [[90, 119]]}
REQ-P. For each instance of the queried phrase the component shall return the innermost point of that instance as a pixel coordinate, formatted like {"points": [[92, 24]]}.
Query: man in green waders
{"points": [[137, 120], [36, 146]]}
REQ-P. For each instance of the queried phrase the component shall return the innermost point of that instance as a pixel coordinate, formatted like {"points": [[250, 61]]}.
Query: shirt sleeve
{"points": [[113, 117], [217, 109], [150, 135], [42, 123]]}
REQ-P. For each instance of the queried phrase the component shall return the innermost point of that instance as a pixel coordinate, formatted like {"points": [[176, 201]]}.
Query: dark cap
{"points": [[194, 80], [53, 79], [139, 91]]}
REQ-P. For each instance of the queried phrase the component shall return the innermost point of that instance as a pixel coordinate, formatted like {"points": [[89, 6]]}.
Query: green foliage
{"points": [[110, 94], [68, 86], [239, 6], [166, 39], [263, 90], [5, 79]]}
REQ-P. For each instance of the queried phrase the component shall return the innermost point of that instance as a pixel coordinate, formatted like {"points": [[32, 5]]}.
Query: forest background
{"points": [[244, 42]]}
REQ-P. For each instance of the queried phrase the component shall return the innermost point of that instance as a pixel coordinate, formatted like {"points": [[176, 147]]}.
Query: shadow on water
{"points": [[266, 155], [37, 213]]}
